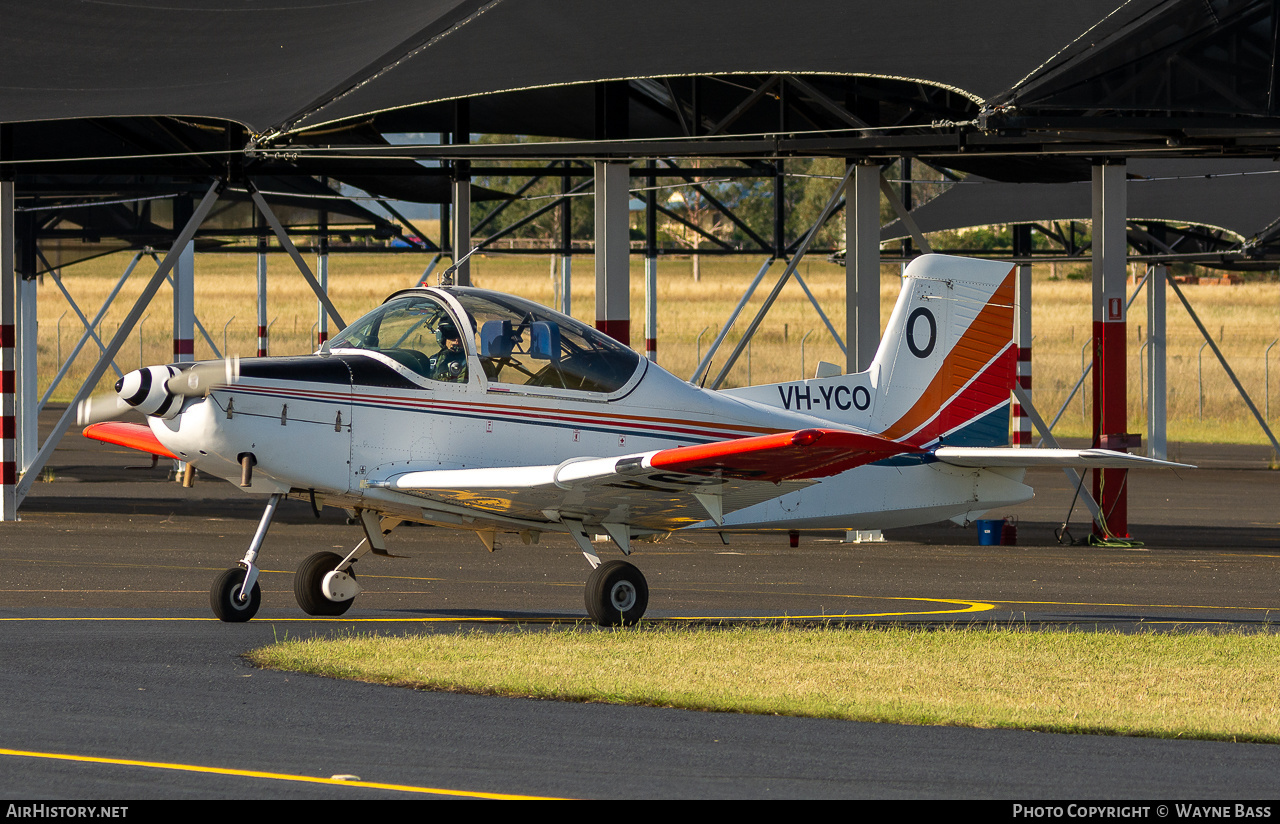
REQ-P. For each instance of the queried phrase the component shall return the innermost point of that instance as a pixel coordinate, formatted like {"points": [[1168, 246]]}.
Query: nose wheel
{"points": [[224, 597], [617, 594]]}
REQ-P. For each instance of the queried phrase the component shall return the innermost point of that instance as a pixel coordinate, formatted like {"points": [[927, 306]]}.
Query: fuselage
{"points": [[374, 403]]}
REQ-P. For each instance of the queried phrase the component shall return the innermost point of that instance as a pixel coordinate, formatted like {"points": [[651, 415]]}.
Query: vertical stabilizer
{"points": [[945, 366], [944, 369]]}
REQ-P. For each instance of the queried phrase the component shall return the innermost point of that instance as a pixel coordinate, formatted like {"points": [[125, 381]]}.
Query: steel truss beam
{"points": [[126, 327]]}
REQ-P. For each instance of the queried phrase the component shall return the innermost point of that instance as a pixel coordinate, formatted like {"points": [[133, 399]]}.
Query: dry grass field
{"points": [[1243, 319]]}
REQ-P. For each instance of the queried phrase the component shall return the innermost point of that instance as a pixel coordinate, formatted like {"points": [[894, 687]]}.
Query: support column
{"points": [[862, 267], [264, 345], [1110, 400], [184, 305], [26, 338], [1022, 332], [462, 221], [322, 274], [27, 405], [461, 195], [651, 266], [566, 244], [8, 355], [613, 250], [184, 280], [1157, 343]]}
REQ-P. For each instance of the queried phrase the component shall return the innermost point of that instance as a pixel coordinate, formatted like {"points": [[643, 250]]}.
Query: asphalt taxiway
{"points": [[111, 652]]}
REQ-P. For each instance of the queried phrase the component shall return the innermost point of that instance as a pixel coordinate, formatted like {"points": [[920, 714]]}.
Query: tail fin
{"points": [[944, 368]]}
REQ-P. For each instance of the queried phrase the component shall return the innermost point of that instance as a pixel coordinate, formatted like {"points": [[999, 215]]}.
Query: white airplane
{"points": [[530, 422]]}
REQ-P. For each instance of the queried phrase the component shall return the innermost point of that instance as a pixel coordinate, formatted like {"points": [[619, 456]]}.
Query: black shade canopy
{"points": [[294, 63], [1239, 195]]}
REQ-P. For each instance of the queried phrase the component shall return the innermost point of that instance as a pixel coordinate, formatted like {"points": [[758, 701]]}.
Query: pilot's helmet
{"points": [[445, 331]]}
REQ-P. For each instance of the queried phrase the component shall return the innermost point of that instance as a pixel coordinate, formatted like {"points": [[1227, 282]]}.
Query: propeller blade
{"points": [[203, 377], [98, 408]]}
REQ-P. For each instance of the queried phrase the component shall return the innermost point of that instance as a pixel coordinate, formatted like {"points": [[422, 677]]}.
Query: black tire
{"points": [[307, 583], [617, 594], [222, 597]]}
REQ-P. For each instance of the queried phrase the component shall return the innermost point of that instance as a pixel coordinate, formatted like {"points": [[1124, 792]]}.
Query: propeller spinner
{"points": [[158, 390]]}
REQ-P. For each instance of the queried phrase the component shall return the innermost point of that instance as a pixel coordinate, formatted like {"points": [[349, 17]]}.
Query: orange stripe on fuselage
{"points": [[989, 332]]}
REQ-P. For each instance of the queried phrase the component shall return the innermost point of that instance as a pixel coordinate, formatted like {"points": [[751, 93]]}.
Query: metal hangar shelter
{"points": [[222, 96]]}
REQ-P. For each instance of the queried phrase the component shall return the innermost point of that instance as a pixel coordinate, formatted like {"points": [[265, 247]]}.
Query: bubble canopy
{"points": [[519, 343]]}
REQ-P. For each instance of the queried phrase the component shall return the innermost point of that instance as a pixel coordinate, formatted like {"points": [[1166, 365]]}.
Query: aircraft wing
{"points": [[991, 457], [661, 490], [133, 435]]}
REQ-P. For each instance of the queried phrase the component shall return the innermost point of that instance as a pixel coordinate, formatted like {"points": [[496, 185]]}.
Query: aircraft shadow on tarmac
{"points": [[1162, 536]]}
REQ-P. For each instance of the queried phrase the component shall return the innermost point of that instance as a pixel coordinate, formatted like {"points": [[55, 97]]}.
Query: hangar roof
{"points": [[305, 62], [1240, 195]]}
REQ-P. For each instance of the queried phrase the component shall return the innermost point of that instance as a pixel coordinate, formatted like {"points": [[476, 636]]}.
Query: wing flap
{"points": [[989, 457], [801, 455], [133, 435]]}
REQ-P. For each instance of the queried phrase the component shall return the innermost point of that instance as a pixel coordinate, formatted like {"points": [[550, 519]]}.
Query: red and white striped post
{"points": [[8, 359], [263, 345], [613, 250], [1110, 398], [1022, 339]]}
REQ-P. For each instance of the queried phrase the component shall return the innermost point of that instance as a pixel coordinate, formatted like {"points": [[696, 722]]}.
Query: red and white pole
{"points": [[613, 250], [1022, 339], [1110, 396], [8, 359], [184, 305], [263, 345]]}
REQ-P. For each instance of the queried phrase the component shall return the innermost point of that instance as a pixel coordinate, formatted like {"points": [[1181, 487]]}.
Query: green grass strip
{"points": [[1187, 685]]}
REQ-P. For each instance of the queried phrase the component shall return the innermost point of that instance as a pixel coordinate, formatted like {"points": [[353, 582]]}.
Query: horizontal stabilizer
{"points": [[133, 435], [988, 457]]}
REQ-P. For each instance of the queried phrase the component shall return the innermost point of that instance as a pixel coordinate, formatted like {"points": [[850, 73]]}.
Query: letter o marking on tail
{"points": [[861, 397], [927, 349]]}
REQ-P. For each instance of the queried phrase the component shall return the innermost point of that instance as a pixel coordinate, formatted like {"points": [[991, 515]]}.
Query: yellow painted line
{"points": [[1273, 608], [968, 606], [263, 621], [304, 779]]}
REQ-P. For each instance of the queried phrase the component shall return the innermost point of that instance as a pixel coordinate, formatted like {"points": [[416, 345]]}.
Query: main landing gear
{"points": [[322, 591], [617, 594]]}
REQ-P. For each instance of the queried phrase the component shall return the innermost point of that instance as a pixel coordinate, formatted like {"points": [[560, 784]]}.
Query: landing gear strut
{"points": [[235, 595], [617, 594]]}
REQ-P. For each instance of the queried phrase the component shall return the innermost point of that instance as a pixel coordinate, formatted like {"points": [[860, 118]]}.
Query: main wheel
{"points": [[308, 584], [224, 597], [617, 594]]}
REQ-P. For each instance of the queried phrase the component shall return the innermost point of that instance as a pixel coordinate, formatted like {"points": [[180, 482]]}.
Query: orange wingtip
{"points": [[133, 435], [807, 453]]}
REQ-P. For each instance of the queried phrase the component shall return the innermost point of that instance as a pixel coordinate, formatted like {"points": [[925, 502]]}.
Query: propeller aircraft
{"points": [[471, 409]]}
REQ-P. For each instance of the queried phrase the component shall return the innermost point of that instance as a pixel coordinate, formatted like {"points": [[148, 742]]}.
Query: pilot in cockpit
{"points": [[451, 363]]}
